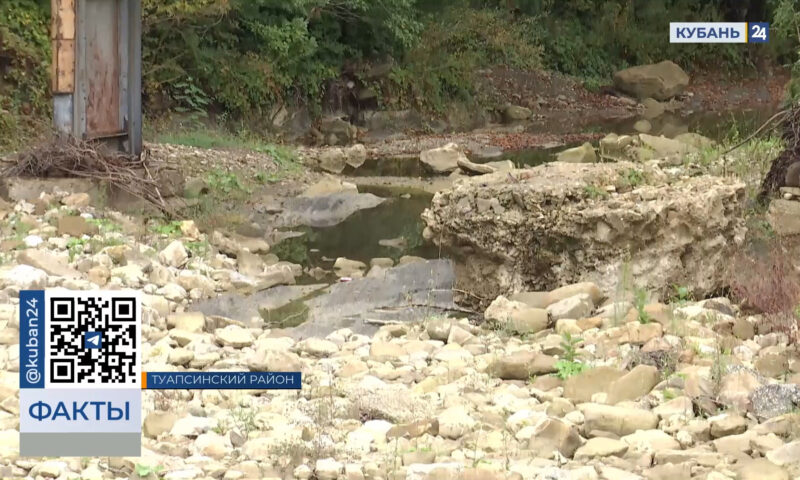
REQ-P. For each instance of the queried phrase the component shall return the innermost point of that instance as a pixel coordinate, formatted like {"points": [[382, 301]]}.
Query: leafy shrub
{"points": [[566, 369], [24, 67], [248, 55], [25, 51], [454, 45]]}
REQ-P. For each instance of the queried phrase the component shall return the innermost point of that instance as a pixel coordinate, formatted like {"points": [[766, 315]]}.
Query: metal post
{"points": [[97, 74], [63, 69]]}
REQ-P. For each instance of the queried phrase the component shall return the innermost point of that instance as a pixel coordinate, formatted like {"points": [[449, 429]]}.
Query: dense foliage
{"points": [[244, 58]]}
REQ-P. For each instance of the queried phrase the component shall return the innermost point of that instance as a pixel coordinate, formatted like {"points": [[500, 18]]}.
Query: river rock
{"points": [[784, 216], [174, 255], [443, 159], [332, 160], [583, 154], [634, 384], [329, 185], [727, 424], [652, 108], [75, 226], [523, 248], [695, 140], [551, 435], [355, 155], [326, 210], [515, 113], [475, 168], [522, 365], [455, 422], [529, 320], [344, 267], [48, 262], [663, 147], [660, 81], [760, 469], [617, 420], [601, 447], [156, 423], [24, 277], [643, 126], [581, 387], [575, 307]]}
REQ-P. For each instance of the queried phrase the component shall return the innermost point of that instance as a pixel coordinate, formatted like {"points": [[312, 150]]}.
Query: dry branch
{"points": [[65, 157]]}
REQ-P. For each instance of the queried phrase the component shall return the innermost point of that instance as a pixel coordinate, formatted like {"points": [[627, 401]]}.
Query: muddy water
{"points": [[392, 229], [398, 220]]}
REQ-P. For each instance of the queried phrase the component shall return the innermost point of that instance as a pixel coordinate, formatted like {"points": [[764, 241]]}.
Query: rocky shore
{"points": [[577, 382]]}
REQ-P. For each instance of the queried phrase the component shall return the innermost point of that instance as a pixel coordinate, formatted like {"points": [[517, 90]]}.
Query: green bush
{"points": [[24, 65], [454, 45], [247, 55], [25, 48], [243, 58]]}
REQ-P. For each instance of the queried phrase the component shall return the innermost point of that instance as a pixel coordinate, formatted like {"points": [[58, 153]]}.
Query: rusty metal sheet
{"points": [[102, 68]]}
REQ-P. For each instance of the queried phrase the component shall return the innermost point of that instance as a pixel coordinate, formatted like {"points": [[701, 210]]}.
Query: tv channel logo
{"points": [[718, 32]]}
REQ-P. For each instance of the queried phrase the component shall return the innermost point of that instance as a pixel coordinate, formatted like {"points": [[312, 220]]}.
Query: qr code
{"points": [[93, 340]]}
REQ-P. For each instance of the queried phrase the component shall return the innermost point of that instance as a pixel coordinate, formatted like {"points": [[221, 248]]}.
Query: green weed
{"points": [[169, 229], [640, 299], [198, 248], [566, 369], [143, 470], [631, 178], [75, 246], [681, 294], [595, 192], [569, 344], [105, 225], [225, 183]]}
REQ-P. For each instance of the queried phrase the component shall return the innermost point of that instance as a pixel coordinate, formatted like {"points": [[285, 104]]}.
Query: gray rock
{"points": [[48, 262], [24, 277], [575, 307], [475, 168], [617, 420], [332, 160], [553, 220], [514, 113], [326, 210], [329, 185], [784, 216], [583, 154], [660, 81], [405, 293], [769, 401], [443, 159]]}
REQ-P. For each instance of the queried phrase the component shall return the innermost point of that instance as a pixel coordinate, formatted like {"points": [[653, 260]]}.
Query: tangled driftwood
{"points": [[66, 157]]}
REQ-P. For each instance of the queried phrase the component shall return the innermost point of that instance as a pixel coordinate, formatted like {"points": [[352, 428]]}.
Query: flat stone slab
{"points": [[406, 293], [326, 210]]}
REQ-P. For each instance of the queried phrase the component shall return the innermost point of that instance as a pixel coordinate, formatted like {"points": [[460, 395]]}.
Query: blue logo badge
{"points": [[93, 340], [758, 32]]}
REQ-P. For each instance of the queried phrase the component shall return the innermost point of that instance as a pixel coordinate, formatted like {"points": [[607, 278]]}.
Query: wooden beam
{"points": [[63, 41]]}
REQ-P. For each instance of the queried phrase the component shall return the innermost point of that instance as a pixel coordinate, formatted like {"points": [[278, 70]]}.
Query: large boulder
{"points": [[443, 159], [660, 81], [583, 154], [553, 232]]}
